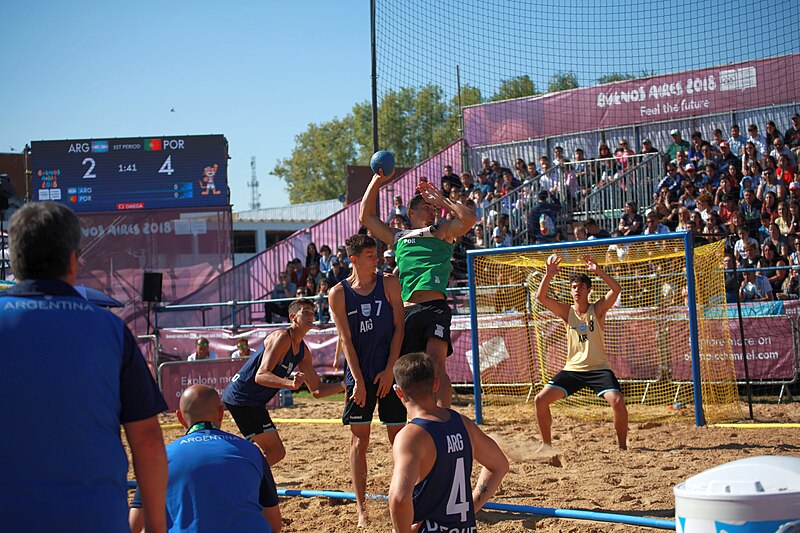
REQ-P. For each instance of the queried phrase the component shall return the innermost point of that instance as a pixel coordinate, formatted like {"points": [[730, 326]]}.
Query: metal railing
{"points": [[597, 188]]}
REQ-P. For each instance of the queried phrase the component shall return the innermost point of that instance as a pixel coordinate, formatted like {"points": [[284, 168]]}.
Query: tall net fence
{"points": [[522, 345]]}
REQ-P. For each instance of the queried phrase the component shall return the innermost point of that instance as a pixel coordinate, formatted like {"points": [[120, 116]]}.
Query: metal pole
{"points": [[473, 318], [374, 53], [465, 166], [699, 414], [744, 350]]}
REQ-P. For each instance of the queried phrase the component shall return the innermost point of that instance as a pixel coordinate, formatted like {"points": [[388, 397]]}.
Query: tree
{"points": [[516, 87], [315, 169], [614, 76], [562, 81]]}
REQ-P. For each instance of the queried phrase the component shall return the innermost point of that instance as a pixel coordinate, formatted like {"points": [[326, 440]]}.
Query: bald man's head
{"points": [[200, 403]]}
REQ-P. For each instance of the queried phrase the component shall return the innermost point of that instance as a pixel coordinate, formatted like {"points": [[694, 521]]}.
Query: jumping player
{"points": [[368, 311], [270, 370], [433, 458], [423, 256], [587, 364]]}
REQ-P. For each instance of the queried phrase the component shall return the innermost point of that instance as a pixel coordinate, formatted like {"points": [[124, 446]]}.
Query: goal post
{"points": [[667, 337]]}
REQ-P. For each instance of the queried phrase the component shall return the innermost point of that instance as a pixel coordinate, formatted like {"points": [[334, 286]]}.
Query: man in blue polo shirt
{"points": [[217, 481], [73, 371]]}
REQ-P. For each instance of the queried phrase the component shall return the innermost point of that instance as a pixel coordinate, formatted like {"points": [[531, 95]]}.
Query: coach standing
{"points": [[72, 373]]}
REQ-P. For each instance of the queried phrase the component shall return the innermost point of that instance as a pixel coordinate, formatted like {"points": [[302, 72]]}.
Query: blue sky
{"points": [[256, 71]]}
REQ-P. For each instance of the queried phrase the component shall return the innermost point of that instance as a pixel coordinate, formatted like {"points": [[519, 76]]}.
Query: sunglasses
{"points": [[202, 344]]}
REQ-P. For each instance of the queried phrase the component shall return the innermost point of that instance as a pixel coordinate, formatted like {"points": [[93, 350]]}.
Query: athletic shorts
{"points": [[251, 420], [426, 320], [600, 381], [390, 409]]}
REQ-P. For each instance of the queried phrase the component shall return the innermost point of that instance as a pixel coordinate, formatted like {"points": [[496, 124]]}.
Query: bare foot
{"points": [[363, 519]]}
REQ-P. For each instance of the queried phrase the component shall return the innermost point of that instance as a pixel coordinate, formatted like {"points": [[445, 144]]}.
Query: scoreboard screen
{"points": [[132, 173]]}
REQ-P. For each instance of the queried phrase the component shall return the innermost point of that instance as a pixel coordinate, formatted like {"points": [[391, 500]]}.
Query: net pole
{"points": [[699, 414], [744, 349], [473, 318]]}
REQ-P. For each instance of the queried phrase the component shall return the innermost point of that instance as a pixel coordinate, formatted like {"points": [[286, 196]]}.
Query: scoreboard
{"points": [[132, 173]]}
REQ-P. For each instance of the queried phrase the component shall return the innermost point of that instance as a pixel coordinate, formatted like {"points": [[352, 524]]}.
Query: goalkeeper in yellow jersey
{"points": [[587, 364]]}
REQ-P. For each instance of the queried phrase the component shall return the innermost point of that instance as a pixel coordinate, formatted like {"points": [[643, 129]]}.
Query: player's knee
{"points": [[617, 401], [359, 443], [276, 454], [541, 400]]}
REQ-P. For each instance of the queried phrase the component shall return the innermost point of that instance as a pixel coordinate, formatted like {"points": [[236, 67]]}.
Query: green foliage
{"points": [[614, 76], [516, 87], [562, 81]]}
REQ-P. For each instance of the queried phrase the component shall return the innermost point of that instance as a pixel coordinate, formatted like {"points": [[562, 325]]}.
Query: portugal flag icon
{"points": [[152, 145]]}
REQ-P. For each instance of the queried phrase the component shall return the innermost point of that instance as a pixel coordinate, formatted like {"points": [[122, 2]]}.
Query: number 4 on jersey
{"points": [[457, 503], [166, 168]]}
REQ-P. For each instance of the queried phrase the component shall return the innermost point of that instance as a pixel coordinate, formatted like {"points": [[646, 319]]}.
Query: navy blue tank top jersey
{"points": [[443, 500], [371, 321], [243, 390]]}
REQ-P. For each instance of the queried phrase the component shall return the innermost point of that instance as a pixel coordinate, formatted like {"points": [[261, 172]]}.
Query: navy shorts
{"points": [[390, 409], [426, 320], [600, 381], [251, 420]]}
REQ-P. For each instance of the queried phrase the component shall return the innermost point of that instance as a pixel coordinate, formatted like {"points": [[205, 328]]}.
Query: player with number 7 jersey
{"points": [[433, 455]]}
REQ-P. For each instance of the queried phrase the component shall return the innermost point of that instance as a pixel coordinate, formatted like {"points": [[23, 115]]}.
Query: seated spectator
{"points": [[672, 181], [771, 134], [751, 154], [579, 231], [744, 240], [733, 280], [450, 177], [647, 147], [704, 207], [783, 219], [677, 145], [297, 272], [755, 288], [202, 351], [594, 230], [337, 273], [784, 171], [697, 221], [717, 140], [543, 213], [559, 158], [653, 224], [714, 228], [242, 350], [736, 141], [791, 287], [344, 260], [483, 183], [794, 217], [688, 198], [750, 207], [770, 205], [312, 256], [751, 256], [398, 209], [325, 259], [757, 139], [217, 481], [779, 149], [311, 287], [792, 136], [684, 218], [521, 170], [548, 181], [723, 190], [695, 149], [323, 311], [389, 262], [467, 182], [314, 273], [727, 158], [283, 289], [711, 174], [301, 292], [727, 207], [763, 229], [631, 222], [501, 237], [664, 207], [769, 183], [768, 263], [623, 155]]}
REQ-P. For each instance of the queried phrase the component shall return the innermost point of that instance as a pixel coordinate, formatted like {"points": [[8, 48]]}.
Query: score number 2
{"points": [[90, 171]]}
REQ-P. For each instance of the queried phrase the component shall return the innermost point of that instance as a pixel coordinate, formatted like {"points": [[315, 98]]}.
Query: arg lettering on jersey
{"points": [[365, 326], [455, 443]]}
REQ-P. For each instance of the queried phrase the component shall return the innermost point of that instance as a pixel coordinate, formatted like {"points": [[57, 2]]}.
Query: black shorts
{"points": [[426, 320], [251, 420], [390, 409], [600, 381]]}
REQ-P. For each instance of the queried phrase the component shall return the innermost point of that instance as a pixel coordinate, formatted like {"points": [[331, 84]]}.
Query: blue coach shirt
{"points": [[217, 482], [72, 373]]}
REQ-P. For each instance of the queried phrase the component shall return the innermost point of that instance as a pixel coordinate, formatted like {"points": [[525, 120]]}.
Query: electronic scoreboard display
{"points": [[132, 173]]}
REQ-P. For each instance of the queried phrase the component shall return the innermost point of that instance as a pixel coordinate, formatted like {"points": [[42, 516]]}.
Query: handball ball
{"points": [[382, 160]]}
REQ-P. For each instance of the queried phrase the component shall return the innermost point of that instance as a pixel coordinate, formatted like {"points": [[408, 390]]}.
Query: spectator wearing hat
{"points": [[690, 174], [792, 136], [794, 191], [389, 262], [677, 145], [647, 147], [337, 273]]}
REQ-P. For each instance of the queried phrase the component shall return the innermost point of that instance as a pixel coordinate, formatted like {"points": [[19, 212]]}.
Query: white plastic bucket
{"points": [[753, 495]]}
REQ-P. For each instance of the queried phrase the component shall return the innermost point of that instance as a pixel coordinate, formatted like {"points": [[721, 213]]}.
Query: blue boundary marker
{"points": [[578, 514]]}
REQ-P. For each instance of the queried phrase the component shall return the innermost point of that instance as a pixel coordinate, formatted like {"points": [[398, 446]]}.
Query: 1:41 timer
{"points": [[127, 168]]}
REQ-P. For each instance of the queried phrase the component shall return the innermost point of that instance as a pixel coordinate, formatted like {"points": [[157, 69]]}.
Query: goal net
{"points": [[518, 345]]}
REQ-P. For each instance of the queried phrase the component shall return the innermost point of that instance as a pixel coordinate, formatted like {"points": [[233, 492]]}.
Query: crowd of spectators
{"points": [[741, 189]]}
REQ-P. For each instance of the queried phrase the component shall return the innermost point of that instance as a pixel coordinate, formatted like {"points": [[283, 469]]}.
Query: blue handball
{"points": [[382, 160]]}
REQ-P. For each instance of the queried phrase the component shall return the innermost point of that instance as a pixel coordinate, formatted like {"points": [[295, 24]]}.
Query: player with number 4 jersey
{"points": [[433, 455]]}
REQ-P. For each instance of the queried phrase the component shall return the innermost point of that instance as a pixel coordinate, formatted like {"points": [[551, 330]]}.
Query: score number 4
{"points": [[166, 168]]}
